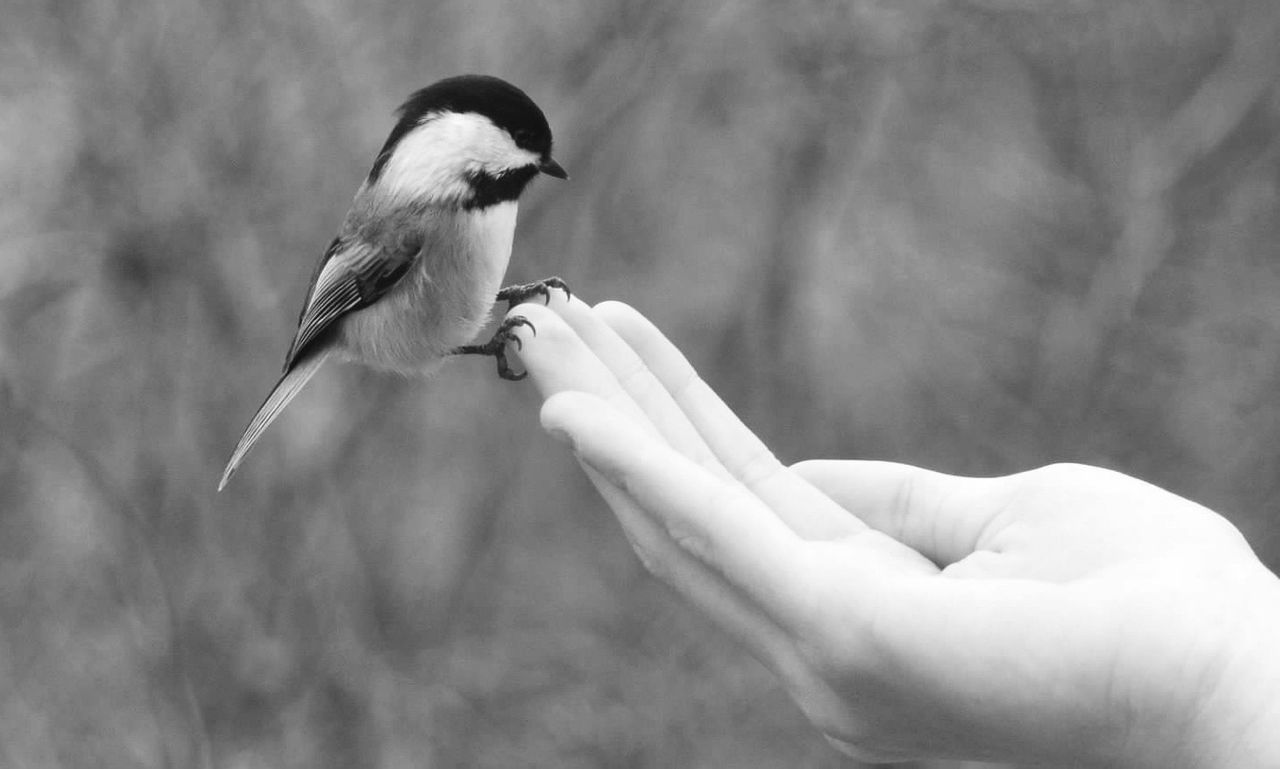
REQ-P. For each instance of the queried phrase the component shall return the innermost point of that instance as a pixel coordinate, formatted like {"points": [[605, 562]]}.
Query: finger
{"points": [[944, 517], [640, 384], [557, 360], [809, 512], [720, 523], [706, 590]]}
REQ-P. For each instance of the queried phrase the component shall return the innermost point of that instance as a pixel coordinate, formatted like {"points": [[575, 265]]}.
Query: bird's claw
{"points": [[506, 334], [497, 346], [522, 292]]}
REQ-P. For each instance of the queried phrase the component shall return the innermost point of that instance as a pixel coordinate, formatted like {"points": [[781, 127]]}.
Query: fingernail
{"points": [[563, 437]]}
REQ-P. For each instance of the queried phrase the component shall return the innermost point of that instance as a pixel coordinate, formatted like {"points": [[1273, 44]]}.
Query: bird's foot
{"points": [[522, 292], [497, 346]]}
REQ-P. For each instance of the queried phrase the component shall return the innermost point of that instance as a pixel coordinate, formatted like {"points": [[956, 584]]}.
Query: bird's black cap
{"points": [[507, 106]]}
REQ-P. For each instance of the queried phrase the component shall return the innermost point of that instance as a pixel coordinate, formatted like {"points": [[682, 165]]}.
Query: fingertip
{"points": [[558, 411], [559, 298], [612, 306], [620, 315], [576, 411], [527, 310], [543, 323], [597, 432]]}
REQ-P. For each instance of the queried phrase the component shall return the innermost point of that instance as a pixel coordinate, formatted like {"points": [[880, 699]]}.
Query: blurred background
{"points": [[974, 235]]}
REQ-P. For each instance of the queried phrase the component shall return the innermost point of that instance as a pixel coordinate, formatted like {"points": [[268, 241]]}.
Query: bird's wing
{"points": [[351, 275], [288, 386]]}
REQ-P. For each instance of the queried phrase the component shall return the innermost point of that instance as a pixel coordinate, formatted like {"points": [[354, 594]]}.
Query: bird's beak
{"points": [[552, 168]]}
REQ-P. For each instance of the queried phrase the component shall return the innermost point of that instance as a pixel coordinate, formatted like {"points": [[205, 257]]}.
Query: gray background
{"points": [[977, 236]]}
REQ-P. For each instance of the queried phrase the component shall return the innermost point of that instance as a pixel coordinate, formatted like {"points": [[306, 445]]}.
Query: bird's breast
{"points": [[445, 298]]}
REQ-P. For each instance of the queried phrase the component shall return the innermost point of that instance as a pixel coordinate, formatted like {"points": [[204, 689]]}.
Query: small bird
{"points": [[416, 267]]}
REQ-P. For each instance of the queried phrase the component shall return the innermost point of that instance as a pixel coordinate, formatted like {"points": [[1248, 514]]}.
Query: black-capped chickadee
{"points": [[415, 270]]}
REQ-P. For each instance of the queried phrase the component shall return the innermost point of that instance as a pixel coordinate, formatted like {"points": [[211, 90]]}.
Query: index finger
{"points": [[809, 512], [635, 378], [715, 520]]}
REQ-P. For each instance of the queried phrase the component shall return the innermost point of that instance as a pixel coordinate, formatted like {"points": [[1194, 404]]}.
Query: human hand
{"points": [[1067, 615]]}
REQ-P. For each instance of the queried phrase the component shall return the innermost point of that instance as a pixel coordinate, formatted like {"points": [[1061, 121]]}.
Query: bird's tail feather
{"points": [[289, 385]]}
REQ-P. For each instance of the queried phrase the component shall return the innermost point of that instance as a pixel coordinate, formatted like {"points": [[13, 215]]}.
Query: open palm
{"points": [[1065, 615]]}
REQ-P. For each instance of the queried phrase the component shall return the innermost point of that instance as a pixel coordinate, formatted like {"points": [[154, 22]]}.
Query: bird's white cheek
{"points": [[435, 160]]}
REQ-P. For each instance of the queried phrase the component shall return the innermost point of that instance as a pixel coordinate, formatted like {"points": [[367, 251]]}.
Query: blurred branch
{"points": [[1077, 334], [1217, 107], [1052, 7], [144, 536], [939, 232]]}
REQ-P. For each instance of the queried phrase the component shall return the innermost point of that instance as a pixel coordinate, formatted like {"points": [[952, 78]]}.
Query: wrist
{"points": [[1241, 718], [1259, 744]]}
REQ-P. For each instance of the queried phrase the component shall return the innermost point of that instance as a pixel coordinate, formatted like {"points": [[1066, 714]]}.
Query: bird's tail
{"points": [[288, 386]]}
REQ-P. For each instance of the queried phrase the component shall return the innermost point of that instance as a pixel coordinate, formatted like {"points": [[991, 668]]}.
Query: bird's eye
{"points": [[523, 137]]}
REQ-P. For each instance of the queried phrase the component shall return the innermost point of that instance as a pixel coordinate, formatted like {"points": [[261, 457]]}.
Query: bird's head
{"points": [[470, 141]]}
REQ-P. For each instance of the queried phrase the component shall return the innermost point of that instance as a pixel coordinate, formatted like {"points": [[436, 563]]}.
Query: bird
{"points": [[417, 264]]}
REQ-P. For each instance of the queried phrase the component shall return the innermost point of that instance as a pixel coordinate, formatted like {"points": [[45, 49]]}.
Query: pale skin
{"points": [[1064, 616]]}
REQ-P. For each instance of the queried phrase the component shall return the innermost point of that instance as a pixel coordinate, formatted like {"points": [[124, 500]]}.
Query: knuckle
{"points": [[904, 502], [758, 466], [687, 381], [659, 568], [636, 378], [614, 307], [690, 542]]}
